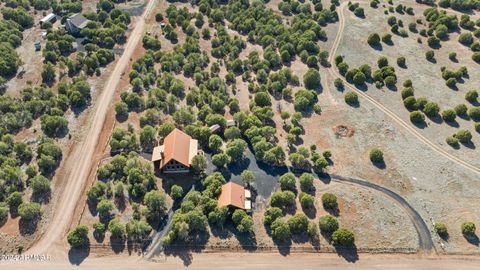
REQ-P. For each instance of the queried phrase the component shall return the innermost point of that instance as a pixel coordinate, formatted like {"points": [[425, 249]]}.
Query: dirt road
{"points": [[334, 72], [262, 261], [59, 225]]}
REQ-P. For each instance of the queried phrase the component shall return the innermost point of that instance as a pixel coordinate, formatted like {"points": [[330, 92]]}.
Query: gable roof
{"points": [[232, 195], [177, 146], [78, 20]]}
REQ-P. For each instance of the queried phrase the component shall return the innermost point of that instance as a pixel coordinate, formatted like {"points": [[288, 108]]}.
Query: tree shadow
{"points": [[475, 103], [27, 227], [43, 198], [453, 87], [78, 110], [2, 222], [14, 211], [184, 255], [455, 146], [117, 244], [92, 207], [377, 47], [445, 237], [472, 239], [300, 238], [220, 232], [77, 255], [333, 211], [354, 104], [120, 203], [464, 116], [452, 123], [469, 144], [392, 88], [350, 254], [420, 125], [121, 117], [248, 241], [327, 235], [324, 177], [363, 87], [310, 212], [98, 236], [196, 243], [379, 164], [283, 247]]}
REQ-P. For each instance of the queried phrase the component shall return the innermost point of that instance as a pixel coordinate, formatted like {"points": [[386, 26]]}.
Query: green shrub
{"points": [[280, 230], [401, 62], [29, 211], [288, 181], [343, 237], [430, 55], [271, 214], [351, 98], [373, 39], [465, 39], [78, 237], [408, 92], [338, 83], [417, 117], [452, 141], [329, 201], [471, 96], [468, 228], [449, 115], [306, 200], [474, 113], [431, 109], [306, 181], [328, 224], [298, 223], [464, 136], [410, 103], [311, 79], [452, 56], [376, 155], [476, 57], [116, 228], [461, 109], [387, 38], [441, 229]]}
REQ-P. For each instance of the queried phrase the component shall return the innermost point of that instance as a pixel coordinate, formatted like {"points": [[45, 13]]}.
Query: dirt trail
{"points": [[59, 225], [263, 261], [333, 71]]}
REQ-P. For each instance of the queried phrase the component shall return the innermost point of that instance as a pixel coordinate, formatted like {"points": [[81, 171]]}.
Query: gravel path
{"points": [[60, 223]]}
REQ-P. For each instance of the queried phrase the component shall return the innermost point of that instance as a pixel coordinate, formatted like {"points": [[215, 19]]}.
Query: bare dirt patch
{"points": [[343, 131]]}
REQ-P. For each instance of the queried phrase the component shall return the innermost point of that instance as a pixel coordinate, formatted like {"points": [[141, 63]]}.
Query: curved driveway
{"points": [[425, 241]]}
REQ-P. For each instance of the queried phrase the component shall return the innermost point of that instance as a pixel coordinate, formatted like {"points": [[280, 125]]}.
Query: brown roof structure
{"points": [[232, 195], [178, 146]]}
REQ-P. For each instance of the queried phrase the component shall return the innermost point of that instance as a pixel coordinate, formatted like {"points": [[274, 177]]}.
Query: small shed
{"points": [[231, 123], [49, 18], [214, 128]]}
